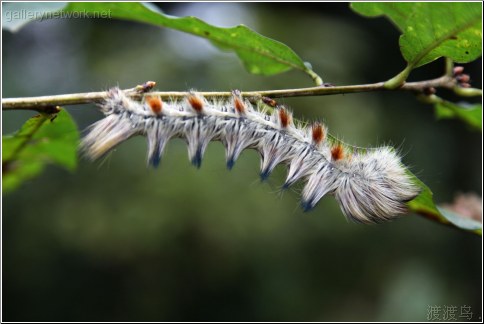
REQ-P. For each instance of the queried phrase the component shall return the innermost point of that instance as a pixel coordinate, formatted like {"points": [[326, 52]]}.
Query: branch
{"points": [[47, 102], [423, 89]]}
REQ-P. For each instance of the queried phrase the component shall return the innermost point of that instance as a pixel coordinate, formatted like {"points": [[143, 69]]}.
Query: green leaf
{"points": [[259, 54], [461, 221], [453, 30], [424, 205], [43, 139], [470, 114], [433, 29], [397, 12]]}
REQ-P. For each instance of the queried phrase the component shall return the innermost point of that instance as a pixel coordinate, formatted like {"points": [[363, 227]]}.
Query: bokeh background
{"points": [[117, 241]]}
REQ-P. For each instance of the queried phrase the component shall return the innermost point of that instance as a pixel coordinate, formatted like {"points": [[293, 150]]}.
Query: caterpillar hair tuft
{"points": [[371, 185]]}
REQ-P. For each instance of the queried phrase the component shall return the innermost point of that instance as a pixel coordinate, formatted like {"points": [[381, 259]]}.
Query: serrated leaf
{"points": [[43, 139], [424, 205], [470, 114], [433, 29], [259, 54]]}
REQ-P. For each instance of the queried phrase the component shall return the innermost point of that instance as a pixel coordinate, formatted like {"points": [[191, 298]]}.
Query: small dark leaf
{"points": [[42, 139]]}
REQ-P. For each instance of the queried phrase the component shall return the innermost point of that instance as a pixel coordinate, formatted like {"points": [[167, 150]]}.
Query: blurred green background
{"points": [[117, 241]]}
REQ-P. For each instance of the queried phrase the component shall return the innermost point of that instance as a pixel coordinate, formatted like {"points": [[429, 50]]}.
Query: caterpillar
{"points": [[370, 185]]}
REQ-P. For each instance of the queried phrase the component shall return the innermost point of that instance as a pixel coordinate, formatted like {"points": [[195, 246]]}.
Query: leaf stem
{"points": [[46, 102], [399, 80], [316, 78], [449, 67]]}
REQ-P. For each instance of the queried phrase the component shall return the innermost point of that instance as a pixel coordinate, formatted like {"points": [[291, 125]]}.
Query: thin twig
{"points": [[42, 103]]}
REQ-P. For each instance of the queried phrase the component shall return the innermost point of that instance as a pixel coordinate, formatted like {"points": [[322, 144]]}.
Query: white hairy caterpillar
{"points": [[370, 185]]}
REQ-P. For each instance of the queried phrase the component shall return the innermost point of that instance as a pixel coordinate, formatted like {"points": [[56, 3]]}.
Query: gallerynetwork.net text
{"points": [[25, 14]]}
